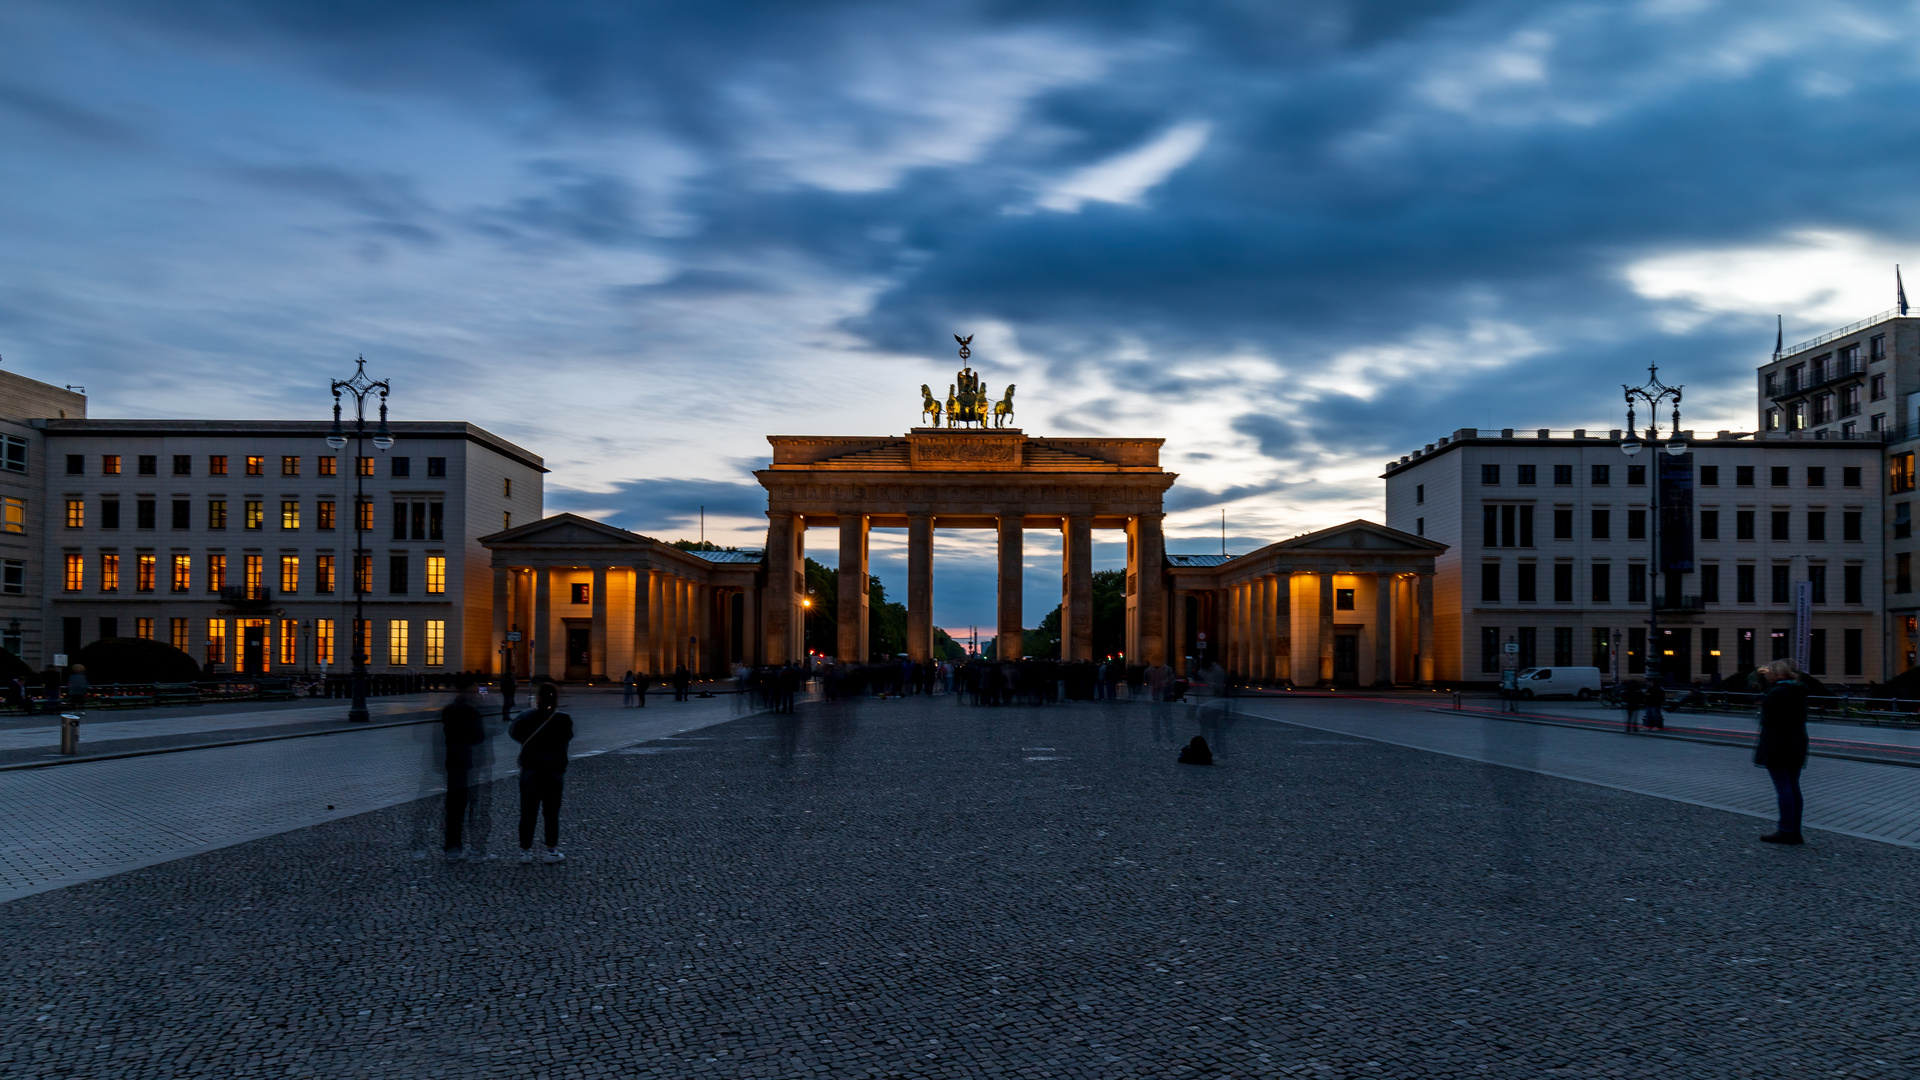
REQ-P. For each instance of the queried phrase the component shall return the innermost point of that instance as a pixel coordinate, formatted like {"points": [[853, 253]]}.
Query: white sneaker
{"points": [[454, 854], [552, 856], [526, 855]]}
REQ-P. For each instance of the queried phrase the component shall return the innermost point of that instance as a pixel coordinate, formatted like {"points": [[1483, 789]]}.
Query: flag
{"points": [[1779, 335], [1899, 289]]}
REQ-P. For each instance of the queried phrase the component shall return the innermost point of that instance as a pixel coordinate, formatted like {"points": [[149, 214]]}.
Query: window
{"points": [[216, 641], [1562, 584], [1853, 651], [1489, 582], [76, 464], [508, 482], [1526, 526], [1636, 650], [323, 641], [76, 513], [1563, 523], [1817, 651], [1636, 583], [1850, 526], [364, 509], [1877, 347], [1782, 583], [110, 514], [1903, 573], [76, 573], [256, 514], [397, 574], [437, 466], [1878, 422], [397, 642], [1817, 577], [289, 515], [1602, 525], [583, 593], [1816, 476], [216, 513], [1489, 474], [109, 465], [327, 466], [1602, 646], [109, 572], [256, 465], [436, 521], [216, 464], [1781, 475], [1343, 599], [1850, 476], [506, 520], [149, 465], [1563, 475], [183, 464], [183, 573], [1823, 408], [1562, 646], [1601, 475], [1489, 525], [400, 466], [1849, 401], [1602, 583], [289, 642], [436, 642], [363, 574], [1709, 651], [1816, 525], [1419, 494], [1709, 476], [1637, 476], [1744, 639], [15, 520], [1636, 524], [1710, 583], [289, 465], [1525, 650], [1419, 526], [145, 568], [182, 513], [1782, 524], [436, 575], [1489, 648], [1743, 524], [256, 574], [1850, 584], [1900, 472], [323, 573], [323, 513], [289, 573], [399, 521], [177, 634], [1526, 584], [216, 573], [1709, 524], [365, 465], [1523, 474], [13, 577], [1743, 476], [1773, 419], [13, 453], [143, 513]]}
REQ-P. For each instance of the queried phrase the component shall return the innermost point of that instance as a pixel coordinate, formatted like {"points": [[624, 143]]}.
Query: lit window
{"points": [[216, 513], [216, 573], [327, 467], [289, 573], [365, 511], [397, 642], [182, 573], [143, 572], [76, 513], [436, 575], [508, 482], [16, 516], [109, 573], [323, 573], [256, 514], [506, 520], [365, 465], [289, 639], [76, 573], [143, 628], [289, 466], [177, 634], [216, 641], [323, 641], [110, 464], [363, 574], [216, 464], [289, 514], [255, 574], [256, 465], [324, 512], [436, 642]]}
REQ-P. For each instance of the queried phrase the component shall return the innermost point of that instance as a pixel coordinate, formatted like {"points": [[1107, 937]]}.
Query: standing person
{"points": [[77, 686], [1782, 749], [507, 687], [640, 684], [461, 735], [543, 733], [1656, 717], [626, 691], [680, 682]]}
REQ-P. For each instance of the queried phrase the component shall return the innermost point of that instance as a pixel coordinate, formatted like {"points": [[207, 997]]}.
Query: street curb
{"points": [[1704, 741], [18, 765]]}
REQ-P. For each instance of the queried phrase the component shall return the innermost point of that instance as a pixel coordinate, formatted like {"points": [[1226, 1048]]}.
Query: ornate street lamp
{"points": [[1654, 394], [360, 387]]}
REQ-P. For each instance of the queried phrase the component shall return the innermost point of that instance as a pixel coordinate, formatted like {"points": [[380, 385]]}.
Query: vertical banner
{"points": [[1676, 512], [1802, 624]]}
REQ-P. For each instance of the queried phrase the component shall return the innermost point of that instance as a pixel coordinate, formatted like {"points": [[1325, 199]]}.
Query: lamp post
{"points": [[360, 387], [1653, 394]]}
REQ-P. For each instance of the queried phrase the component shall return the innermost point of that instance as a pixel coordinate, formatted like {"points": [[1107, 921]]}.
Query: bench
{"points": [[275, 690]]}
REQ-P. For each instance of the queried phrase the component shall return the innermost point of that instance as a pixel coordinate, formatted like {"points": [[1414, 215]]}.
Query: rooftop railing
{"points": [[1814, 343]]}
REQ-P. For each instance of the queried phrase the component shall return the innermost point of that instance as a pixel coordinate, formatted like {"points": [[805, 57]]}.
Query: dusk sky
{"points": [[1293, 239]]}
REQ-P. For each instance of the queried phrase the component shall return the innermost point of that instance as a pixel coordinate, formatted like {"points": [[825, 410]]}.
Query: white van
{"points": [[1580, 682]]}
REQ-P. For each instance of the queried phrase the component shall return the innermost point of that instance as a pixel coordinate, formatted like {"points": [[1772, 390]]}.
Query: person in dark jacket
{"points": [[1782, 749], [543, 733], [681, 680], [461, 736]]}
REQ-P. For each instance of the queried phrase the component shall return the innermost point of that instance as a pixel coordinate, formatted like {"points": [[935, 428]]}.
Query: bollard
{"points": [[69, 733], [1456, 700]]}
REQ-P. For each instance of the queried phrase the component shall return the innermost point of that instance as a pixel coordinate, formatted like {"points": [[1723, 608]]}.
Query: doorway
{"points": [[253, 649], [1346, 659], [579, 654]]}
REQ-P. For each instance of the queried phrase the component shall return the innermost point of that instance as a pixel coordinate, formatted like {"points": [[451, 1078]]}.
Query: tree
{"points": [[1044, 643], [136, 660], [1109, 613]]}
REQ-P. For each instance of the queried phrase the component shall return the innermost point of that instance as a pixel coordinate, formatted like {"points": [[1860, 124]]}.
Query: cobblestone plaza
{"points": [[920, 888]]}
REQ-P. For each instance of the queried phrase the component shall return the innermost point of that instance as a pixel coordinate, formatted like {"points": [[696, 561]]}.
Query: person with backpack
{"points": [[543, 733], [1782, 749]]}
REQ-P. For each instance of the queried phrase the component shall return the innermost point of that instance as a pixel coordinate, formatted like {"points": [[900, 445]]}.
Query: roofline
{"points": [[401, 429], [1888, 316], [1723, 440]]}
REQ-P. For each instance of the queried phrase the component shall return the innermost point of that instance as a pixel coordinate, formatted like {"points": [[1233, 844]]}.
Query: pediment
{"points": [[1360, 535], [567, 530]]}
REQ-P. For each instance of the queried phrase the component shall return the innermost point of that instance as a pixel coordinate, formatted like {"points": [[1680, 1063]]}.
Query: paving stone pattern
{"points": [[919, 889]]}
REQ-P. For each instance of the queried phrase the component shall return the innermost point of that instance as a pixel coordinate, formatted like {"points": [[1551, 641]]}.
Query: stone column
{"points": [[920, 587], [1262, 630], [1383, 629], [1326, 627], [1283, 627], [1178, 598], [502, 599], [1010, 638], [780, 625], [541, 631], [749, 622], [643, 622], [1149, 570], [680, 625], [1237, 630], [1076, 593], [851, 643], [597, 633], [1426, 629]]}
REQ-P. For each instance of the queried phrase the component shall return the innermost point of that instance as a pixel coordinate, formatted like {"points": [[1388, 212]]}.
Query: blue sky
{"points": [[1295, 240]]}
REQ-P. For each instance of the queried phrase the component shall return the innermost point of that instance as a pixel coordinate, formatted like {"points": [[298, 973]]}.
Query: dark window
{"points": [[399, 521], [1850, 584], [1816, 525], [1602, 583], [149, 465], [1743, 524], [1744, 644], [1506, 525], [396, 574], [1523, 474], [1817, 577], [1637, 474], [216, 464], [1636, 524], [183, 513], [1816, 476], [1709, 651], [402, 466], [1782, 583], [1526, 526], [1563, 646], [1743, 587], [143, 514], [1490, 474], [1636, 650], [1563, 475], [1709, 524], [1601, 475], [1855, 653], [1850, 476], [437, 519], [1850, 526], [1602, 527], [1780, 646], [1877, 347], [582, 592], [1709, 476], [76, 464], [1343, 599], [1419, 494], [1524, 586], [1489, 526], [183, 464], [1636, 583], [1902, 520], [1489, 582], [1817, 651], [1489, 648], [1903, 573], [1782, 524], [1419, 526], [419, 519], [1710, 583], [109, 513], [1525, 648], [1562, 523], [1743, 476], [436, 466], [1602, 648], [15, 458], [1562, 584], [1780, 475]]}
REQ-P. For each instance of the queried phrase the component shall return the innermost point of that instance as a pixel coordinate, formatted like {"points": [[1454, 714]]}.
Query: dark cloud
{"points": [[663, 508]]}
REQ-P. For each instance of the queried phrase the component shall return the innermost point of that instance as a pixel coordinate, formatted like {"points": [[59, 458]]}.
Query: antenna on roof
{"points": [[1780, 334], [1223, 530], [1899, 289]]}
